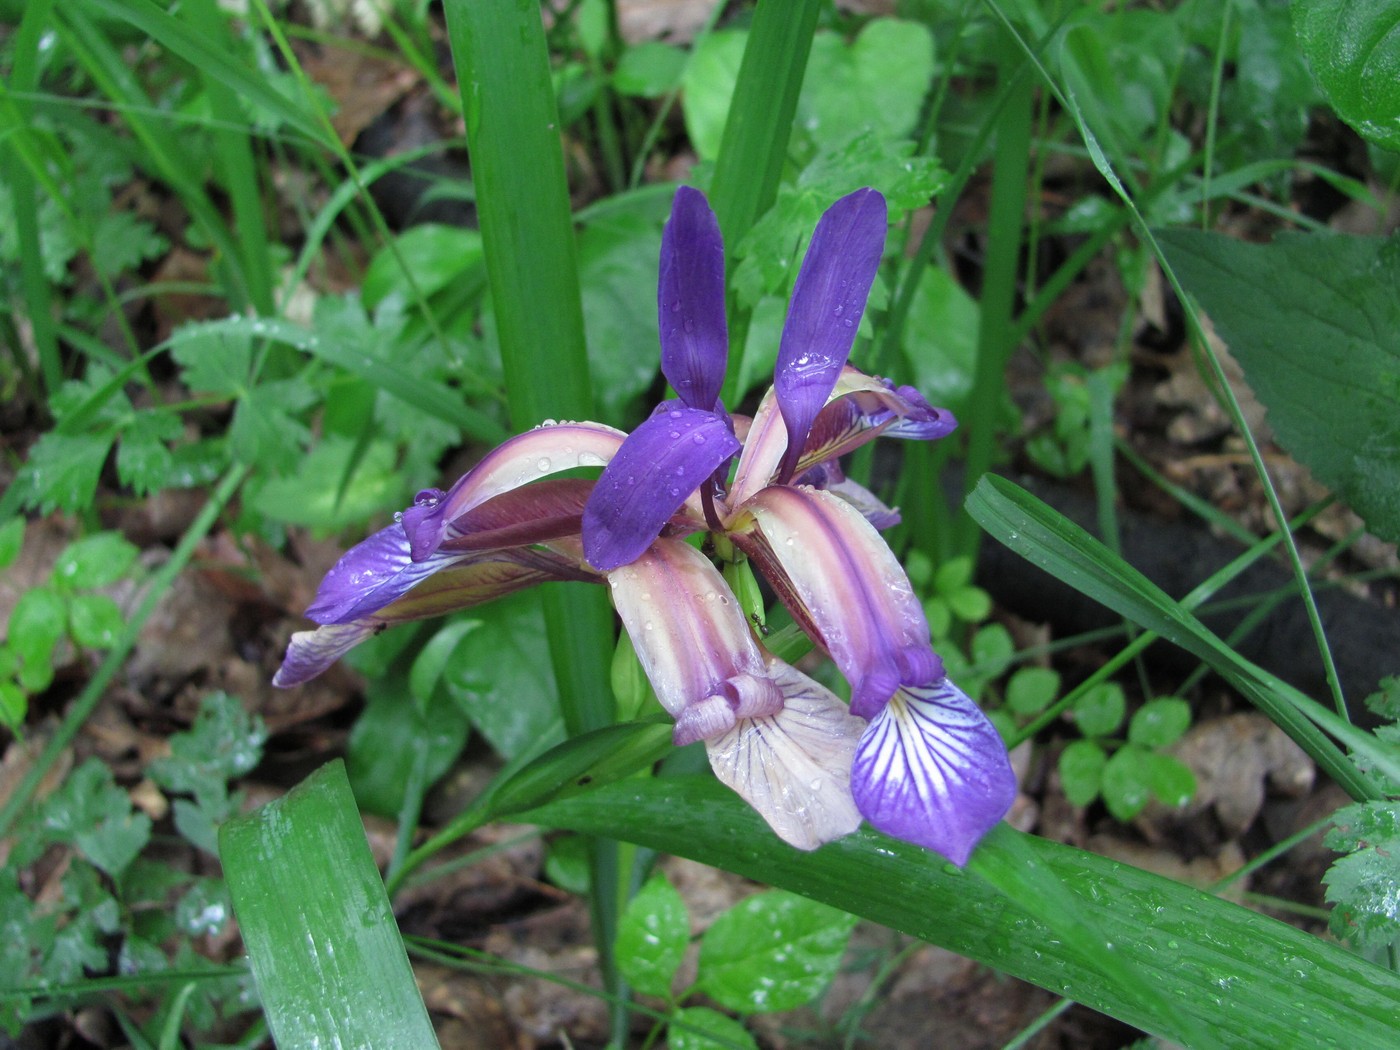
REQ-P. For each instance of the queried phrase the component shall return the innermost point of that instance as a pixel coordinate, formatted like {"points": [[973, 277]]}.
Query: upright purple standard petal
{"points": [[657, 468], [932, 770], [827, 303], [690, 301]]}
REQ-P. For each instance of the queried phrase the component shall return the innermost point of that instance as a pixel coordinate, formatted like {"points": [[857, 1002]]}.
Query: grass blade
{"points": [[325, 950]]}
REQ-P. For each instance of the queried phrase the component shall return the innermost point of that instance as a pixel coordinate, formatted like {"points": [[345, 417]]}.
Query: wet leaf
{"points": [[1081, 771], [1353, 47], [1365, 885], [652, 936], [774, 951], [1160, 722], [700, 1028]]}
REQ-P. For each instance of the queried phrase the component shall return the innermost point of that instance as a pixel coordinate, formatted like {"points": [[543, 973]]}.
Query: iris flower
{"points": [[913, 754]]}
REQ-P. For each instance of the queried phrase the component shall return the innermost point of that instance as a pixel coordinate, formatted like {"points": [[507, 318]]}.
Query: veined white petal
{"points": [[794, 767], [311, 652], [932, 770]]}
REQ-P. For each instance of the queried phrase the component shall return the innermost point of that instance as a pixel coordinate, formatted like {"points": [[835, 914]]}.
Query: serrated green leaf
{"points": [[1126, 784], [1100, 711], [436, 256], [1314, 321], [649, 69], [700, 1028], [95, 620], [336, 484], [62, 470], [1159, 722], [266, 430], [225, 741], [122, 241], [144, 460], [1031, 689], [773, 951], [652, 936], [216, 358], [1081, 771], [1365, 886], [1353, 47], [1385, 701]]}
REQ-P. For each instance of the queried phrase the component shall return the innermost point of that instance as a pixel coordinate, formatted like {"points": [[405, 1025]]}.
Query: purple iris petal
{"points": [[827, 302], [690, 301], [311, 652], [657, 468], [932, 770], [372, 574]]}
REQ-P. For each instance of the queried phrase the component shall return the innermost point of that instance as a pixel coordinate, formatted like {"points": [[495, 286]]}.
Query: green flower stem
{"points": [[527, 234]]}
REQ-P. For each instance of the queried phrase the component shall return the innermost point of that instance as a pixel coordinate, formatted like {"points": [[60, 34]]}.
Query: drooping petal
{"points": [[691, 638], [843, 584], [547, 449], [459, 586], [543, 512], [311, 652], [650, 477], [794, 767], [690, 301], [374, 573], [828, 300], [932, 770]]}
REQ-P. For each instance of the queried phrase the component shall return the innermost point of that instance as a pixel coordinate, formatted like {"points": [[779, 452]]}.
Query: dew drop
{"points": [[542, 464]]}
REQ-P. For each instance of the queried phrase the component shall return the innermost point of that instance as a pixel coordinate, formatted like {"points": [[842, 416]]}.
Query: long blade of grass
{"points": [[325, 951], [498, 48], [1244, 979], [1051, 541]]}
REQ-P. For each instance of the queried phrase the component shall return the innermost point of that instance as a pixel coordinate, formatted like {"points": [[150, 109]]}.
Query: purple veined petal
{"points": [[374, 573], [690, 634], [932, 770], [794, 767], [862, 408], [458, 586], [844, 586], [828, 300], [311, 652], [547, 449], [650, 477], [543, 512], [690, 301]]}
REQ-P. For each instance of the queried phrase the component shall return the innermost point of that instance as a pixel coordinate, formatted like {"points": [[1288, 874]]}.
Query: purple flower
{"points": [[913, 755]]}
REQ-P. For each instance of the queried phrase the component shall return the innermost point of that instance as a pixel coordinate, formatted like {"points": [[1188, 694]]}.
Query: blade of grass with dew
{"points": [[503, 72], [1051, 541], [1245, 979], [1229, 401], [754, 146], [326, 953], [24, 77]]}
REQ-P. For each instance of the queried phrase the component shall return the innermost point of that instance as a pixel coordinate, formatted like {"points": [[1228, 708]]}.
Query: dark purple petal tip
{"points": [[657, 468], [690, 301], [824, 314], [933, 771], [423, 523]]}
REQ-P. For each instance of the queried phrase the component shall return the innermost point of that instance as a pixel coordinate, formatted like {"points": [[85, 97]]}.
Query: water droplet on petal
{"points": [[542, 464], [699, 439]]}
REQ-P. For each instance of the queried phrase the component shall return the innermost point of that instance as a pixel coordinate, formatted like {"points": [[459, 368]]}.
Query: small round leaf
{"points": [[1031, 689], [1081, 771], [1126, 782], [1100, 711], [1160, 723]]}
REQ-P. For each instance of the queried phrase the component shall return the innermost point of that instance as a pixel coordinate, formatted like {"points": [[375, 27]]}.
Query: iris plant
{"points": [[912, 754]]}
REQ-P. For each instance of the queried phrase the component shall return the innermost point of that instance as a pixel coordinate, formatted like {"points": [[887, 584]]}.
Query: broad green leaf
{"points": [[1315, 322], [1159, 722], [95, 620], [1124, 784], [327, 956], [652, 936], [1353, 47], [649, 70], [1195, 949], [1100, 711], [396, 742], [144, 460], [940, 339], [708, 86], [62, 470], [700, 1028], [11, 540], [94, 561], [773, 951], [38, 620], [1081, 771], [434, 255], [500, 675], [1031, 689]]}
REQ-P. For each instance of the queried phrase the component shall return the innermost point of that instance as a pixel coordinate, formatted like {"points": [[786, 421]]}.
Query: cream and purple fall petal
{"points": [[844, 586], [794, 767], [932, 770]]}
